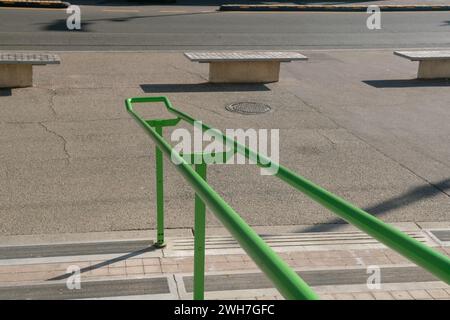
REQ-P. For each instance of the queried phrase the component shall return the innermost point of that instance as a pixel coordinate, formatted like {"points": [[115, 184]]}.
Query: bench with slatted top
{"points": [[244, 66], [432, 64], [16, 68]]}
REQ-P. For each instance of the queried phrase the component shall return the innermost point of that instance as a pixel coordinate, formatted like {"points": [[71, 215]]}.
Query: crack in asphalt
{"points": [[59, 136], [188, 72], [52, 102]]}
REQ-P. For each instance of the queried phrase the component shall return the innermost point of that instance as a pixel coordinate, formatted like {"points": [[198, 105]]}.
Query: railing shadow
{"points": [[416, 194], [108, 262]]}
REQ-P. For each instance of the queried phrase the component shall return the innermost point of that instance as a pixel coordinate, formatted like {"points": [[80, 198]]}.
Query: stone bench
{"points": [[16, 68], [244, 66], [432, 64]]}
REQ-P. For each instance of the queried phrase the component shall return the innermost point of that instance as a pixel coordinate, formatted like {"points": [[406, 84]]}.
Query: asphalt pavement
{"points": [[353, 121], [138, 27]]}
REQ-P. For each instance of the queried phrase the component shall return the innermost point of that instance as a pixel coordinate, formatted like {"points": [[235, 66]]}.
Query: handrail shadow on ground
{"points": [[108, 262], [414, 195]]}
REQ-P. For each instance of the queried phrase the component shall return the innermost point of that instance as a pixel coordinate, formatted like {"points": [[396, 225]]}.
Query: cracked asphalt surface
{"points": [[355, 122]]}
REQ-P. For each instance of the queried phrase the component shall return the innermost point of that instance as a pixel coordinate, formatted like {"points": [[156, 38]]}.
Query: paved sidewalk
{"points": [[335, 270]]}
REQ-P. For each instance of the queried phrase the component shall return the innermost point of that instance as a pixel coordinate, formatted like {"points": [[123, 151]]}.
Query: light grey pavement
{"points": [[109, 27], [351, 121]]}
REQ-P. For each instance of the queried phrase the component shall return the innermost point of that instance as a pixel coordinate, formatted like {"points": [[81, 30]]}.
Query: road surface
{"points": [[201, 27]]}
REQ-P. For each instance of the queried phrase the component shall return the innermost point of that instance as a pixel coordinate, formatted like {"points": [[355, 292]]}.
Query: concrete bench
{"points": [[244, 66], [16, 68], [432, 64]]}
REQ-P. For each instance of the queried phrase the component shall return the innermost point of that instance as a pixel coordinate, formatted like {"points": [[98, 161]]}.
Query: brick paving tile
{"points": [[120, 271], [326, 296], [243, 298], [284, 255], [397, 259], [171, 268], [133, 262], [118, 264], [297, 255], [29, 276], [235, 258], [186, 267], [377, 260], [34, 267], [45, 267], [401, 295], [236, 266], [441, 249], [99, 272], [266, 297], [228, 266], [313, 263], [343, 296], [438, 293], [300, 262], [135, 270], [363, 296], [314, 254], [173, 261], [330, 262], [382, 295], [152, 269], [350, 262], [215, 258], [248, 259], [338, 254], [250, 265], [216, 266], [419, 294], [151, 261], [368, 253]]}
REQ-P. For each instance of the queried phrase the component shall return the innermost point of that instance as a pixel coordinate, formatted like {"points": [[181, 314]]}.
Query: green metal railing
{"points": [[286, 280]]}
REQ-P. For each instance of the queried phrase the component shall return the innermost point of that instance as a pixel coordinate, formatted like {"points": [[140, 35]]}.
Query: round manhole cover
{"points": [[248, 107]]}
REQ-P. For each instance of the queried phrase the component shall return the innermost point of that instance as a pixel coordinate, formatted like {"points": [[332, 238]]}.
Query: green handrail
{"points": [[286, 280], [290, 285]]}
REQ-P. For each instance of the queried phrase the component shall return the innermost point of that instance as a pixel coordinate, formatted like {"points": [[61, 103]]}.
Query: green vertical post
{"points": [[199, 239], [159, 194]]}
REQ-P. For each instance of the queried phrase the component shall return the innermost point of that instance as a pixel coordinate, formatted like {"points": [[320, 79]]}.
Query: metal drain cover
{"points": [[248, 107]]}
